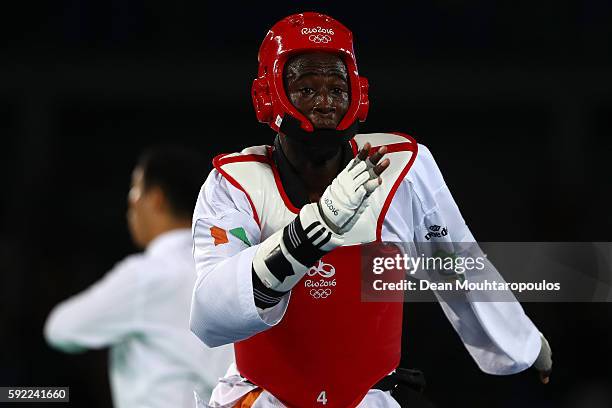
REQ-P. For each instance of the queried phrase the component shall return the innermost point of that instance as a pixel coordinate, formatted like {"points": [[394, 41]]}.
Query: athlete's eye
{"points": [[338, 91], [306, 91]]}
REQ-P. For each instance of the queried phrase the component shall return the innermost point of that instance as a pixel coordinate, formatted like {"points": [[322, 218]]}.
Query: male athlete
{"points": [[278, 232]]}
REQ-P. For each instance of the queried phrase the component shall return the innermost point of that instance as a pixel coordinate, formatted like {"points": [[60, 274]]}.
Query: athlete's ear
{"points": [[157, 199]]}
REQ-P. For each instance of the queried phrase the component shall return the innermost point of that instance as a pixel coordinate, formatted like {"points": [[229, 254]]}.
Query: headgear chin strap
{"points": [[296, 34], [323, 137]]}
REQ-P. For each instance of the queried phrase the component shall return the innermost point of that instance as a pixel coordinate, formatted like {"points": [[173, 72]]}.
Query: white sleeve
{"points": [[498, 335], [223, 307], [101, 315]]}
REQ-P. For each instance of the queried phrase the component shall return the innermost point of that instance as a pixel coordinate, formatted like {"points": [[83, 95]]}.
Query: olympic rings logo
{"points": [[320, 293], [323, 269], [319, 38]]}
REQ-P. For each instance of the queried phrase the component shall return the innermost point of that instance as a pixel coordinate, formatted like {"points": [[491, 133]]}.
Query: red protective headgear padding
{"points": [[295, 34]]}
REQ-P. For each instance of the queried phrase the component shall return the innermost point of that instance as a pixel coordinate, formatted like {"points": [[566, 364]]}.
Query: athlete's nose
{"points": [[324, 103]]}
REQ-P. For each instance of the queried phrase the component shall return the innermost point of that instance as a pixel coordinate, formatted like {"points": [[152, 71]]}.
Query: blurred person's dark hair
{"points": [[179, 172]]}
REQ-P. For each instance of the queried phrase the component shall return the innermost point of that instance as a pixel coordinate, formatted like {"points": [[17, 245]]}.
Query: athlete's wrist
{"points": [[313, 223], [284, 258], [264, 296], [346, 198]]}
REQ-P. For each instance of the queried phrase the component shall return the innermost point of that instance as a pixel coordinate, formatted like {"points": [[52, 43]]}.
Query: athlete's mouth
{"points": [[324, 120]]}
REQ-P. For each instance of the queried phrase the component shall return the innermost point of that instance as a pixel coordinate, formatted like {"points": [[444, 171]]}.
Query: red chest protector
{"points": [[330, 348]]}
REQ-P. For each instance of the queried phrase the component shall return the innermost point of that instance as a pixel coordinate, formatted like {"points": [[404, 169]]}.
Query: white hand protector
{"points": [[345, 199], [285, 257]]}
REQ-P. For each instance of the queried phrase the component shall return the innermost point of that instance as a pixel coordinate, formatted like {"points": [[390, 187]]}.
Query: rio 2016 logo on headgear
{"points": [[318, 35], [317, 30]]}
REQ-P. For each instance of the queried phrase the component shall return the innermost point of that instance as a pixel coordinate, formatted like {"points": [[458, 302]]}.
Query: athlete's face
{"points": [[317, 85]]}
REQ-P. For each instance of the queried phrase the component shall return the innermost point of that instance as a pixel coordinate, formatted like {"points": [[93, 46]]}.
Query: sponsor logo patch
{"points": [[436, 231]]}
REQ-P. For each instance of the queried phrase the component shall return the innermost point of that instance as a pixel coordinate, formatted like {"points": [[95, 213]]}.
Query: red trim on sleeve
{"points": [[407, 146], [279, 184], [220, 160]]}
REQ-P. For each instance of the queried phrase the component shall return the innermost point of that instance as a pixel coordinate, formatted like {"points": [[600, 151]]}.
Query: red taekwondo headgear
{"points": [[296, 34]]}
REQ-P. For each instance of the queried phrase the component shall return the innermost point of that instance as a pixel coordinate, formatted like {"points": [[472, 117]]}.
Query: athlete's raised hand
{"points": [[345, 199], [284, 257], [373, 161]]}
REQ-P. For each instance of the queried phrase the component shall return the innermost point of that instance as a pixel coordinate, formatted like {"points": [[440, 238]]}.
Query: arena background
{"points": [[513, 99]]}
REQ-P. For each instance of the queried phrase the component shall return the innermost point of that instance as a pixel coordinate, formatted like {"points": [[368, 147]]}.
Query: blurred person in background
{"points": [[140, 309]]}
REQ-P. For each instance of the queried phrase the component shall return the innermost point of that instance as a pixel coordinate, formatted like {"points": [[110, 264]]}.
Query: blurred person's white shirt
{"points": [[140, 309]]}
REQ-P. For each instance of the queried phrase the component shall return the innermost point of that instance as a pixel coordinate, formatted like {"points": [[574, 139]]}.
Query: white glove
{"points": [[345, 199], [285, 257]]}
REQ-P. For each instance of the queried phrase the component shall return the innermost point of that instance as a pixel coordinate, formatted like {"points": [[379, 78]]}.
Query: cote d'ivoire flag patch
{"points": [[220, 235]]}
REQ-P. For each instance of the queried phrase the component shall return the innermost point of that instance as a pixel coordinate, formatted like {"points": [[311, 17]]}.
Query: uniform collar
{"points": [[291, 180], [168, 239]]}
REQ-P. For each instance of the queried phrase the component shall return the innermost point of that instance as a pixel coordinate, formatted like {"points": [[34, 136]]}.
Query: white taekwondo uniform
{"points": [[498, 335], [140, 309]]}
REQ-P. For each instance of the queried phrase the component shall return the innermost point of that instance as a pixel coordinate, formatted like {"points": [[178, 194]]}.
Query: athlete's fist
{"points": [[346, 198]]}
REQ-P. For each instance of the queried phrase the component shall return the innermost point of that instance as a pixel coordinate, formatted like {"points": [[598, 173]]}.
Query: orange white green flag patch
{"points": [[219, 235]]}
